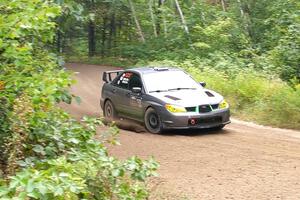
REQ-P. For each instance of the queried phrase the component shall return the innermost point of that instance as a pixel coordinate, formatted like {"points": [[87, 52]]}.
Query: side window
{"points": [[123, 80], [135, 81]]}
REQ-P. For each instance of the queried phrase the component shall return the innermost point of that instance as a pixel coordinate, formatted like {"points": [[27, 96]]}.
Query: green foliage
{"points": [[87, 178], [285, 56], [259, 34], [45, 154]]}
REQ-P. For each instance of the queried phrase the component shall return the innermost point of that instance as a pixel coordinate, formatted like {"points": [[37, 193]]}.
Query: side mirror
{"points": [[136, 90], [203, 84]]}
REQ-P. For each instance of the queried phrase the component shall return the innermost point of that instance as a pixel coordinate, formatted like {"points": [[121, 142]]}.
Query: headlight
{"points": [[223, 104], [175, 109]]}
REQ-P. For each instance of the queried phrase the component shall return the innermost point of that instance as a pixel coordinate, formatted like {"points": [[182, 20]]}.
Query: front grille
{"points": [[190, 109], [208, 108], [204, 108], [215, 106]]}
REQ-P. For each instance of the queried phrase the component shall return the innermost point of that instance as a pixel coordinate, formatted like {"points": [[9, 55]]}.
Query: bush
{"points": [[45, 154]]}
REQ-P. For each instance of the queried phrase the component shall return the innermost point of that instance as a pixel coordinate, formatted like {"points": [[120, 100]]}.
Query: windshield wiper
{"points": [[181, 89], [158, 91]]}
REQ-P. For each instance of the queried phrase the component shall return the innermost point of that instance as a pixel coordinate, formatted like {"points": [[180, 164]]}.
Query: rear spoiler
{"points": [[107, 76]]}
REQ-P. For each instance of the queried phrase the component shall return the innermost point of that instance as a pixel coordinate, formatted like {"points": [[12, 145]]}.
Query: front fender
{"points": [[157, 106]]}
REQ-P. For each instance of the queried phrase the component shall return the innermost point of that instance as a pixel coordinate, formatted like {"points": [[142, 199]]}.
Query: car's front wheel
{"points": [[109, 111], [152, 121]]}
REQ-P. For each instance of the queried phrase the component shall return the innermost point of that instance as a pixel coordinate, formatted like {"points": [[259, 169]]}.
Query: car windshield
{"points": [[168, 81]]}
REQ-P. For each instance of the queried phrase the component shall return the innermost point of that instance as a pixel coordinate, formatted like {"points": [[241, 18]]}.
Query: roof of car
{"points": [[147, 70]]}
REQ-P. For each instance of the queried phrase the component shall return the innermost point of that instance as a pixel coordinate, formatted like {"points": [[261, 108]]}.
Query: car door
{"points": [[135, 108], [121, 93]]}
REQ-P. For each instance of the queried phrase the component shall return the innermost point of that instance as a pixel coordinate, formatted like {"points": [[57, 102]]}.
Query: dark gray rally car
{"points": [[162, 98]]}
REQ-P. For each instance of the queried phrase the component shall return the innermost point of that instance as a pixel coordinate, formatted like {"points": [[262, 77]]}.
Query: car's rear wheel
{"points": [[109, 111], [152, 121]]}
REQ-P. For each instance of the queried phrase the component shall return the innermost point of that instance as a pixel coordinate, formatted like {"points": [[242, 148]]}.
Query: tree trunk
{"points": [[128, 32], [112, 32], [115, 33], [158, 14], [103, 37], [138, 27], [59, 41], [165, 26], [241, 8], [223, 5], [245, 14], [59, 36], [91, 38], [186, 29], [152, 18]]}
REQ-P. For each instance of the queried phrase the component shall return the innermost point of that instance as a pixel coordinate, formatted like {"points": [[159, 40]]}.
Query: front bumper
{"points": [[195, 120]]}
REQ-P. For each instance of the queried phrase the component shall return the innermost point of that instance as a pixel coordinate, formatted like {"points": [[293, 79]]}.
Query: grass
{"points": [[254, 97]]}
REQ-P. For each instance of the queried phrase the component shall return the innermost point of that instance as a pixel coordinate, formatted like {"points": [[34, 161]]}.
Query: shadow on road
{"points": [[194, 132], [134, 126]]}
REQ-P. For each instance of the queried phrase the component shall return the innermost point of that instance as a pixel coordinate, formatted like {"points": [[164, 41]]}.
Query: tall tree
{"points": [[159, 17], [150, 3], [245, 15], [138, 26], [91, 29], [112, 31], [223, 5], [103, 36], [186, 29], [91, 38]]}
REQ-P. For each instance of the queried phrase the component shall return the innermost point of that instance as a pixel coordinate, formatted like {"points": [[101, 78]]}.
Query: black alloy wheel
{"points": [[152, 121], [109, 111]]}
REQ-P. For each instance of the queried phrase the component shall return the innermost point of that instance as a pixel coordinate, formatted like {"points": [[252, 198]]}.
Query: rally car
{"points": [[162, 98]]}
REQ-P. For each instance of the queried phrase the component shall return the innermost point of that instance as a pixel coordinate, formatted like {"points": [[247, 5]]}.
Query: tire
{"points": [[109, 111], [152, 121]]}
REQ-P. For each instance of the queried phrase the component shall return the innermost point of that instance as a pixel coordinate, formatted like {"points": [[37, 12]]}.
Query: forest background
{"points": [[247, 50]]}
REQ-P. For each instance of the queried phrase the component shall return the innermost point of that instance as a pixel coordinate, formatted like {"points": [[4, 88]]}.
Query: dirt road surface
{"points": [[243, 161]]}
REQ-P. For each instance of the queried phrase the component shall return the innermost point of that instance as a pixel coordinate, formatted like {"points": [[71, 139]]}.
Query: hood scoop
{"points": [[173, 98], [209, 94]]}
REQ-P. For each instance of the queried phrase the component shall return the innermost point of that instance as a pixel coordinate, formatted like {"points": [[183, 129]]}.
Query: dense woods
{"points": [[247, 33], [246, 49]]}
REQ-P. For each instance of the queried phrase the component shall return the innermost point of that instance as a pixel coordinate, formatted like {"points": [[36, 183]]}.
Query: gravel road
{"points": [[243, 161]]}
